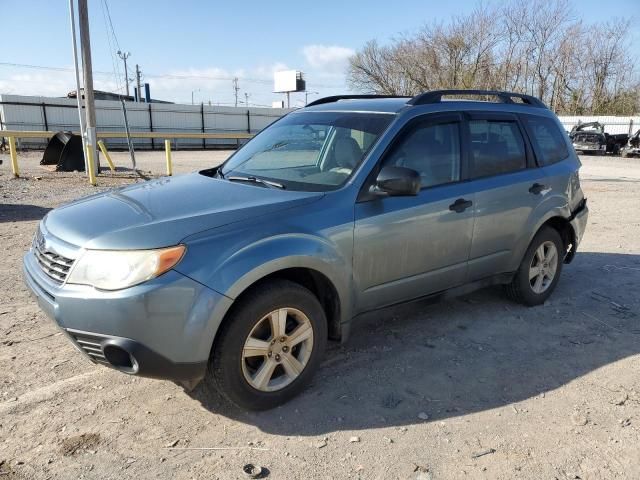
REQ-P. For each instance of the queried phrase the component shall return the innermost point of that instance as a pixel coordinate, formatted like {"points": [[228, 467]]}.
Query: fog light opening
{"points": [[119, 358]]}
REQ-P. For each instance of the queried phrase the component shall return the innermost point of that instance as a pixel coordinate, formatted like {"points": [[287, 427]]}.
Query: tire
{"points": [[528, 291], [231, 371]]}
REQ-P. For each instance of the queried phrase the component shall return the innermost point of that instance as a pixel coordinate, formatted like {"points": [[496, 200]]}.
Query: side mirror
{"points": [[397, 181]]}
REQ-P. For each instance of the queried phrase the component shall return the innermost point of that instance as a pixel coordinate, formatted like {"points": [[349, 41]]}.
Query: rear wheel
{"points": [[540, 269], [270, 346]]}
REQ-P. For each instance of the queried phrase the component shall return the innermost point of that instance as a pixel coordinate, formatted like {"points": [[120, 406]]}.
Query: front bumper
{"points": [[589, 147], [163, 328]]}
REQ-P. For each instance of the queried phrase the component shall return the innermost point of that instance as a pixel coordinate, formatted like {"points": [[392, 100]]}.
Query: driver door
{"points": [[408, 247]]}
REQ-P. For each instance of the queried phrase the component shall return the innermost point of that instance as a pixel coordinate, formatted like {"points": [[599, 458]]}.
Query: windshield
{"points": [[308, 150]]}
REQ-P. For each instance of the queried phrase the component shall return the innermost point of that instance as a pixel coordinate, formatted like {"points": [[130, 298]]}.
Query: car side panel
{"points": [[505, 208], [408, 247], [551, 206], [561, 200], [318, 236]]}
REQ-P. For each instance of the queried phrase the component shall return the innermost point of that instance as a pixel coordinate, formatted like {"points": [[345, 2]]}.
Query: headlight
{"points": [[117, 269]]}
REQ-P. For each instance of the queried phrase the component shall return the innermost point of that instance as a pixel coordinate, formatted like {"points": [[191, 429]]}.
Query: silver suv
{"points": [[238, 275]]}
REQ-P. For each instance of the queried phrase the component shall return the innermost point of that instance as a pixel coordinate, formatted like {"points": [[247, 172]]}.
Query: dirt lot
{"points": [[477, 387]]}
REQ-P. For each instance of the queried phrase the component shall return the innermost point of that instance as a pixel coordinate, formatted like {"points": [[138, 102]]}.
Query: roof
{"points": [[391, 104], [103, 95]]}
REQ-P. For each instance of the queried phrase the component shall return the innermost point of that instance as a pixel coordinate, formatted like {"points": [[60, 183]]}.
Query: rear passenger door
{"points": [[508, 187]]}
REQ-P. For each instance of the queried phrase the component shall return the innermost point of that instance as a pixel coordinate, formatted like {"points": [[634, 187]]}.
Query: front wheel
{"points": [[540, 269], [269, 347]]}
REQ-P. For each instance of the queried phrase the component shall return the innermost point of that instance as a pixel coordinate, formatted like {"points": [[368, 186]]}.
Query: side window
{"points": [[432, 150], [548, 139], [496, 147]]}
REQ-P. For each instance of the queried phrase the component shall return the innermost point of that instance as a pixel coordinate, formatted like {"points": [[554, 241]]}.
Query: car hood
{"points": [[162, 212]]}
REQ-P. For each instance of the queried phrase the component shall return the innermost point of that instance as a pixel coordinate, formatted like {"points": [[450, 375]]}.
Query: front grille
{"points": [[91, 346], [54, 265]]}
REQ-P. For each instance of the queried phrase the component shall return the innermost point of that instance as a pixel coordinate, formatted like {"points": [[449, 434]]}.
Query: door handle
{"points": [[460, 205], [537, 188]]}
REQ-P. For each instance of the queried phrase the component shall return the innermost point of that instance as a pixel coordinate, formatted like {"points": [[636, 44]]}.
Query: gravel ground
{"points": [[476, 387]]}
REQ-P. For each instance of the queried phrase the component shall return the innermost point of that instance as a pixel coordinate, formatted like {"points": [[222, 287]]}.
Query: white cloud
{"points": [[332, 58], [207, 84], [49, 84], [214, 84], [267, 71]]}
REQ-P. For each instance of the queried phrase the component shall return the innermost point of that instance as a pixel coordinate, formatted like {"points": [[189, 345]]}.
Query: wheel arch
{"points": [[313, 280], [559, 223], [563, 226], [313, 262]]}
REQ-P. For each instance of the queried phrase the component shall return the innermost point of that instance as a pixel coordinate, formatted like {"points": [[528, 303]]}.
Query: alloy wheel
{"points": [[277, 349], [544, 265]]}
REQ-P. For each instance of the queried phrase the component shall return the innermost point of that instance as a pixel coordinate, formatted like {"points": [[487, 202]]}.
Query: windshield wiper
{"points": [[268, 183], [277, 145]]}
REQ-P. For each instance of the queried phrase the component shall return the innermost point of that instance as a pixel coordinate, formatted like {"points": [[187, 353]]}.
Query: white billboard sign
{"points": [[285, 81]]}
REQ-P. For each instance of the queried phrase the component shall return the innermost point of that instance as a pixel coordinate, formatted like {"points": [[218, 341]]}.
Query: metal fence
{"points": [[56, 114]]}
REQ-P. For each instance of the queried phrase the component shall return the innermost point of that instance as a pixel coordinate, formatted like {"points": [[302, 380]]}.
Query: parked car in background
{"points": [[238, 275], [632, 148], [590, 138]]}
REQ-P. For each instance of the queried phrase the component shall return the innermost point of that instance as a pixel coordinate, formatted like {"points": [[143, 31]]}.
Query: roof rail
{"points": [[504, 97], [335, 98]]}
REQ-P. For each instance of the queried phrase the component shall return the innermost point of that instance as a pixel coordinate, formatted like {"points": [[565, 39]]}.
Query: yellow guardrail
{"points": [[167, 150], [13, 134], [103, 149]]}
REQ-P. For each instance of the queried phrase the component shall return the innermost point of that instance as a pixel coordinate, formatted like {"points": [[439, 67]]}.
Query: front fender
{"points": [[229, 264], [270, 255]]}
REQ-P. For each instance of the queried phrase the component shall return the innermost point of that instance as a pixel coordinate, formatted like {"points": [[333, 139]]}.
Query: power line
{"points": [[170, 75], [114, 62], [111, 24], [41, 67]]}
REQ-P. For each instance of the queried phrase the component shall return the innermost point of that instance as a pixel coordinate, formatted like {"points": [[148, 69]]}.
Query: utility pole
{"points": [[236, 88], [306, 96], [78, 89], [138, 77], [87, 71], [123, 56]]}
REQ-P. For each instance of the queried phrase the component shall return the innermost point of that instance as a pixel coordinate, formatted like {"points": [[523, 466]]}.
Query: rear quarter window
{"points": [[547, 138]]}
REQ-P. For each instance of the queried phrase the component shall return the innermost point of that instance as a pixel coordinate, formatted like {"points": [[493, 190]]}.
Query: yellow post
{"points": [[92, 174], [14, 157], [103, 149], [167, 149]]}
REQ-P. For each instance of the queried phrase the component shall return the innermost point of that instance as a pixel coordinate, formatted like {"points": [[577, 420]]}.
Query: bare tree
{"points": [[539, 47]]}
